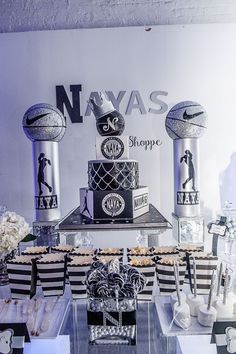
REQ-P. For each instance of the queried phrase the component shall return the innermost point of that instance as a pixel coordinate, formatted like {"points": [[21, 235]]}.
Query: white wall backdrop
{"points": [[194, 62]]}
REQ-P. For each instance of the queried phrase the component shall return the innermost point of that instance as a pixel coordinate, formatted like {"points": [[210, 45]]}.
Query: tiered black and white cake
{"points": [[113, 179]]}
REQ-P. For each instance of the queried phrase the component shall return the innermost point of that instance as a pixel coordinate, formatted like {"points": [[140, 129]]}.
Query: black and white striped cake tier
{"points": [[113, 175]]}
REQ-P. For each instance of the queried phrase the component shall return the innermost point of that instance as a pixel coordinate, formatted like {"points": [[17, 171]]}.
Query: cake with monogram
{"points": [[113, 190]]}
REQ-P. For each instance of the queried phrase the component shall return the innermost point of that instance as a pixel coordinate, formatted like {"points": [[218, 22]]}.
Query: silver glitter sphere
{"points": [[43, 122], [186, 120]]}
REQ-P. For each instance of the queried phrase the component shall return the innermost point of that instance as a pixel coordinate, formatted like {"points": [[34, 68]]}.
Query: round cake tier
{"points": [[113, 175]]}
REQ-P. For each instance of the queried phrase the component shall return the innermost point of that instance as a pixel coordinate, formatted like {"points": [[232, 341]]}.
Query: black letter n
{"points": [[62, 99]]}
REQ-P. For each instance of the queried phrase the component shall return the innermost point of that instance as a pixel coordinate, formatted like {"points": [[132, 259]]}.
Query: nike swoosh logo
{"points": [[187, 116], [32, 120]]}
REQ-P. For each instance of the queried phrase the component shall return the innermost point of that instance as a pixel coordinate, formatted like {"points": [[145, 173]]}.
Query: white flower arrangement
{"points": [[13, 229]]}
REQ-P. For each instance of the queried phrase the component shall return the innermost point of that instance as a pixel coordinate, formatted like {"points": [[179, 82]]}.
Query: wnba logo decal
{"points": [[113, 204], [44, 202], [112, 148]]}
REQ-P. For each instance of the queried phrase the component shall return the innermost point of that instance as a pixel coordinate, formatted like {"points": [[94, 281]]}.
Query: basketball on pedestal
{"points": [[43, 122], [186, 119]]}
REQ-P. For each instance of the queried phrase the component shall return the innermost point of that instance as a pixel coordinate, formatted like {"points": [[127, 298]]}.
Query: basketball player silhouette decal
{"points": [[188, 159], [43, 162], [85, 206]]}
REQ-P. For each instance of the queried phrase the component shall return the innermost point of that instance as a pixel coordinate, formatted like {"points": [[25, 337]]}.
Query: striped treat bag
{"points": [[65, 249], [146, 267], [83, 251], [36, 252], [185, 252], [204, 267], [139, 252], [51, 270], [77, 269], [107, 258], [104, 254], [166, 275], [162, 251], [22, 277]]}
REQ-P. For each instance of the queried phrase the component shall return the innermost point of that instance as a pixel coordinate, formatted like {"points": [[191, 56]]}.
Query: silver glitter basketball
{"points": [[186, 120], [43, 122]]}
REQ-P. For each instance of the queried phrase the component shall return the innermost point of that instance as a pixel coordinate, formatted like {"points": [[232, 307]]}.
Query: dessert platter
{"points": [[43, 317]]}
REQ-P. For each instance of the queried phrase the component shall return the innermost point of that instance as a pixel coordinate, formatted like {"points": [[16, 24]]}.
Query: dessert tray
{"points": [[165, 315], [43, 317]]}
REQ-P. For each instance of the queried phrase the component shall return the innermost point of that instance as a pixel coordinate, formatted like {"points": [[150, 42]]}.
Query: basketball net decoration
{"points": [[45, 126], [185, 124]]}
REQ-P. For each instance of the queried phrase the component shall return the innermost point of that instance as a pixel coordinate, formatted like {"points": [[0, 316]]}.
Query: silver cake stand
{"points": [[74, 221]]}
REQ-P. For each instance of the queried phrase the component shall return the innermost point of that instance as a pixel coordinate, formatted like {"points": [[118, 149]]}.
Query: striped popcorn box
{"points": [[116, 252], [204, 267], [51, 270], [163, 251], [166, 276], [107, 258], [145, 266], [65, 249], [149, 273], [35, 251], [185, 250], [22, 277], [77, 269], [83, 251], [140, 251]]}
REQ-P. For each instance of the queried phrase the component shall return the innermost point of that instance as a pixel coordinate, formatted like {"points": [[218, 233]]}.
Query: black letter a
{"points": [[62, 99]]}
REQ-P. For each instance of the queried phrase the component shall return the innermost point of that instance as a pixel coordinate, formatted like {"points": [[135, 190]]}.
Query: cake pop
{"points": [[181, 310], [193, 300], [224, 307], [207, 313]]}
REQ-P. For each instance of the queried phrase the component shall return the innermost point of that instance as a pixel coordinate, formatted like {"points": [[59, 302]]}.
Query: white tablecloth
{"points": [[59, 345], [195, 344]]}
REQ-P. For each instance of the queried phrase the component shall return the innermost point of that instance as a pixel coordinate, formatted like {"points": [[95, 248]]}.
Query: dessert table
{"points": [[153, 335], [73, 336]]}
